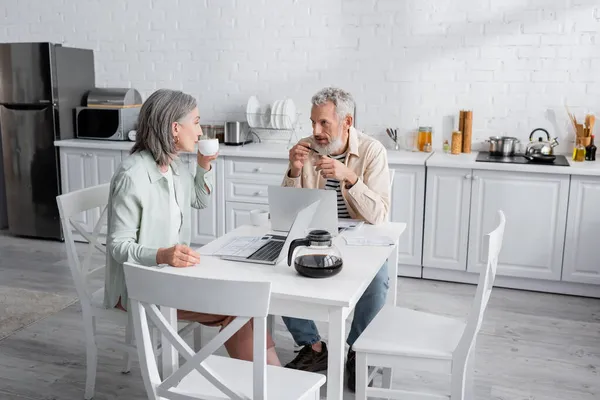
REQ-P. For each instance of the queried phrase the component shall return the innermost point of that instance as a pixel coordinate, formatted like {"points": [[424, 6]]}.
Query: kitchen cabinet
{"points": [[408, 202], [581, 261], [447, 218], [83, 168], [238, 214], [204, 221], [535, 206], [245, 187]]}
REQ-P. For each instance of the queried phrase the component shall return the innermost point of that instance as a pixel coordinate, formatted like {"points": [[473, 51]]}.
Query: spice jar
{"points": [[456, 147], [446, 147], [427, 148]]}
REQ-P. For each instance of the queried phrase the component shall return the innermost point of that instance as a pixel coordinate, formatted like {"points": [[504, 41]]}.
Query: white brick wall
{"points": [[515, 63]]}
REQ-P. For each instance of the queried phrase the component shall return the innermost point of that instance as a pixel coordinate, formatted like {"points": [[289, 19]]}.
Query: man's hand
{"points": [[298, 155], [204, 161], [331, 168], [177, 256]]}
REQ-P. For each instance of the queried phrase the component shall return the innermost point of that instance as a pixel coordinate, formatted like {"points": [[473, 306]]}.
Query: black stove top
{"points": [[484, 156]]}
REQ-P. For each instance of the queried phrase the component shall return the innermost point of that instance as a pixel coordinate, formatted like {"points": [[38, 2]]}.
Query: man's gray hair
{"points": [[154, 132], [342, 100]]}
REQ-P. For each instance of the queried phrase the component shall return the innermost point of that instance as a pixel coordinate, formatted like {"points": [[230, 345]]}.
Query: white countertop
{"points": [[467, 161], [395, 157], [253, 150], [257, 150]]}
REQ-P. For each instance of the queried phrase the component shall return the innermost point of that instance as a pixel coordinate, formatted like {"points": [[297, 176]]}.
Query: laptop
{"points": [[285, 202], [270, 249]]}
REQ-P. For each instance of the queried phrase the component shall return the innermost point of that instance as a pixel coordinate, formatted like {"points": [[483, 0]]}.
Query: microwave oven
{"points": [[105, 123]]}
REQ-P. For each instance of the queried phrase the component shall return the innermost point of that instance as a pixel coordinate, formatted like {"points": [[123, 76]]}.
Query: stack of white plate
{"points": [[282, 115]]}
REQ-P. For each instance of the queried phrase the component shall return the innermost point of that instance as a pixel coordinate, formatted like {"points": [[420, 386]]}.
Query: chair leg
{"points": [[387, 378], [197, 338], [361, 375], [462, 384], [271, 324], [91, 353], [128, 342]]}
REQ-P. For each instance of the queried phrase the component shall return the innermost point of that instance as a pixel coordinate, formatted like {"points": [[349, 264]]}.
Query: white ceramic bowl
{"points": [[208, 147]]}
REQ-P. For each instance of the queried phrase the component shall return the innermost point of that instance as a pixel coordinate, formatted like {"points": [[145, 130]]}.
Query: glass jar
{"points": [[456, 146], [424, 137], [219, 132]]}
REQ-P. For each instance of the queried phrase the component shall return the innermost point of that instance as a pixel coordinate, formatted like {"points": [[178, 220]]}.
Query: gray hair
{"points": [[156, 118], [342, 100]]}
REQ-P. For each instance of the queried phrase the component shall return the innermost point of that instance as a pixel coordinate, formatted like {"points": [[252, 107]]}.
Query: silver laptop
{"points": [[270, 249], [285, 202]]}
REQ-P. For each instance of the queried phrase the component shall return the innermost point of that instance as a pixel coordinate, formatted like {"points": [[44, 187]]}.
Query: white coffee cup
{"points": [[259, 217], [208, 147]]}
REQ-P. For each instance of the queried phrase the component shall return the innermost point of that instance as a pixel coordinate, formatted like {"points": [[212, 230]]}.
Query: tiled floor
{"points": [[533, 346]]}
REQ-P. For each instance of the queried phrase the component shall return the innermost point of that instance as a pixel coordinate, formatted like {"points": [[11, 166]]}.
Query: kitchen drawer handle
{"points": [[259, 169], [468, 176], [257, 193]]}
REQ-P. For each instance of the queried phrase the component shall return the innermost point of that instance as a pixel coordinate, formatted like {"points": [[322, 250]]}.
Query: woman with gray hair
{"points": [[149, 206]]}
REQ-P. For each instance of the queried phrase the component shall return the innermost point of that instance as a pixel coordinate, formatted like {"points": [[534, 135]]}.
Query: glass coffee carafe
{"points": [[315, 256]]}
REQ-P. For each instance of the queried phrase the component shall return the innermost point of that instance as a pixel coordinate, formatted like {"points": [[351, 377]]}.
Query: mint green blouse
{"points": [[139, 218]]}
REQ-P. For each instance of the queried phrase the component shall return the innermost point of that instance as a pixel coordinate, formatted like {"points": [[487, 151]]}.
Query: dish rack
{"points": [[266, 123]]}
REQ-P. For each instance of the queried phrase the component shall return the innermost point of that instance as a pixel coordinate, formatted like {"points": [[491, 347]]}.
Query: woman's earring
{"points": [[176, 139]]}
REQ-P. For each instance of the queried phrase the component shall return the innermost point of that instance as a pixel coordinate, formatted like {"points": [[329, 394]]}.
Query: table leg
{"points": [[335, 363], [393, 274], [170, 360]]}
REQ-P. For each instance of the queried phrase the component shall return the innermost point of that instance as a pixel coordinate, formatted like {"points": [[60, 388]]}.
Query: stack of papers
{"points": [[344, 224], [369, 241]]}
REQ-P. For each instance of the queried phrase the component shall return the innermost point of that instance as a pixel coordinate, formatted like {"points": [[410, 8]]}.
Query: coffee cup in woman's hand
{"points": [[179, 255], [204, 161]]}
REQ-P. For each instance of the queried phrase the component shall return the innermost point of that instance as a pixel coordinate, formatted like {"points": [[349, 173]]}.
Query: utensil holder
{"points": [[584, 140]]}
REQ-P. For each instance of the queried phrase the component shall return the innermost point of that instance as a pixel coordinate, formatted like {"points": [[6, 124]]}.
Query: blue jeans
{"points": [[305, 332]]}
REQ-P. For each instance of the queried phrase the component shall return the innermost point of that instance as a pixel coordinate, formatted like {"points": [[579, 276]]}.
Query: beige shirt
{"points": [[369, 198], [139, 218]]}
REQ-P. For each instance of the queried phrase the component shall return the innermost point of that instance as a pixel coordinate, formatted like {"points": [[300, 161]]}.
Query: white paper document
{"points": [[344, 224], [369, 241]]}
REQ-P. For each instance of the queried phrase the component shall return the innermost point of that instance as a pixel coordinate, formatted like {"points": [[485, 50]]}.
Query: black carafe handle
{"points": [[296, 243]]}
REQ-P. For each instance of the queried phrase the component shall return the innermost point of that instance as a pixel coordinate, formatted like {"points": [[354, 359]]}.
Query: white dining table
{"points": [[329, 300]]}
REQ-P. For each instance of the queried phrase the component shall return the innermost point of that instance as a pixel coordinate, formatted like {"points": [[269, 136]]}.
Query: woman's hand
{"points": [[179, 255], [204, 161]]}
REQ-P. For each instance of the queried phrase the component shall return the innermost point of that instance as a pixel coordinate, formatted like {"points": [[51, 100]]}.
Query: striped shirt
{"points": [[334, 184]]}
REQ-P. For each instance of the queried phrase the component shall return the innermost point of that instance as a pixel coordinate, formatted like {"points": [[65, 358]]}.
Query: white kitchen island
{"points": [[447, 201]]}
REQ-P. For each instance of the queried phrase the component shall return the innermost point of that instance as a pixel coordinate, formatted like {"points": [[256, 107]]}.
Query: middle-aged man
{"points": [[355, 166]]}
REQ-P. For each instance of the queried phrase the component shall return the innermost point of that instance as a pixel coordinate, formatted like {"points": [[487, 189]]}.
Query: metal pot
{"points": [[541, 146], [502, 145]]}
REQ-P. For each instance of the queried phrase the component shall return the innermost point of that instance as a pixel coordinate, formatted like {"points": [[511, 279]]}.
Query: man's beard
{"points": [[335, 146]]}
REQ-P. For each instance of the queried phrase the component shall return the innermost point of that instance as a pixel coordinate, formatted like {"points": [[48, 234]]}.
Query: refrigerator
{"points": [[40, 86]]}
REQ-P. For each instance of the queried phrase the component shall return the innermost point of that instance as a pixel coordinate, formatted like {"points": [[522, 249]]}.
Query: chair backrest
{"points": [[149, 288], [70, 205], [487, 277], [392, 173]]}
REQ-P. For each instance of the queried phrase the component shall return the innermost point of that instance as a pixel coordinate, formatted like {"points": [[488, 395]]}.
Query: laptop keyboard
{"points": [[269, 252]]}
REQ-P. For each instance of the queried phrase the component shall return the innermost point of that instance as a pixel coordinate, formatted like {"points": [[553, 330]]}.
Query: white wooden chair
{"points": [[408, 339], [392, 173], [204, 375], [70, 205]]}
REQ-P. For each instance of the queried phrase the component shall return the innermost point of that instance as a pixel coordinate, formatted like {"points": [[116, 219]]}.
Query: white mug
{"points": [[259, 217]]}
